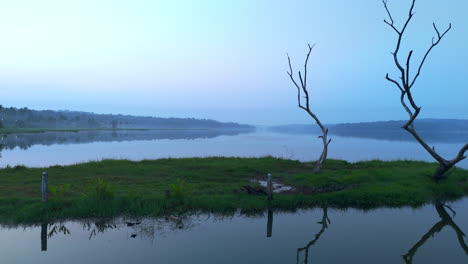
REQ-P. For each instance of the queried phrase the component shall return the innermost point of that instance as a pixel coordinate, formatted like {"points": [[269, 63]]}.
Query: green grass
{"points": [[213, 184]]}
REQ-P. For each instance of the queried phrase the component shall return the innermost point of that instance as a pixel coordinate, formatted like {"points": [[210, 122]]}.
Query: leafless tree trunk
{"points": [[406, 82], [303, 89]]}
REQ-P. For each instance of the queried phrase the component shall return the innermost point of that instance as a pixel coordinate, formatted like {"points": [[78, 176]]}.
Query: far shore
{"points": [[42, 130]]}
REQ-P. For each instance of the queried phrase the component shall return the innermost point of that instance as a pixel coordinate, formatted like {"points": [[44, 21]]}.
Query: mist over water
{"points": [[64, 148]]}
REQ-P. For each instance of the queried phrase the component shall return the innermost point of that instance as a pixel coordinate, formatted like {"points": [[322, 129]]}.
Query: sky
{"points": [[226, 60]]}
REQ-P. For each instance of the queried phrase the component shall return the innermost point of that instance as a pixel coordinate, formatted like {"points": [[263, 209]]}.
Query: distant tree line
{"points": [[24, 118]]}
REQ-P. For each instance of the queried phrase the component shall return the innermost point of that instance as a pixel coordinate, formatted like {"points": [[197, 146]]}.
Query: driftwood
{"points": [[253, 191], [132, 223]]}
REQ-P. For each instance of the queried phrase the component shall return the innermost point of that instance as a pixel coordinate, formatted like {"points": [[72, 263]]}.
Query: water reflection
{"points": [[66, 148], [430, 135], [383, 238], [446, 220], [270, 223], [433, 132], [50, 230], [44, 237], [100, 226], [324, 223], [145, 229], [26, 140]]}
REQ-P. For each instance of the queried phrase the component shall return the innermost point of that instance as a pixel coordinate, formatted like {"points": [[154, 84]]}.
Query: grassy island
{"points": [[112, 188]]}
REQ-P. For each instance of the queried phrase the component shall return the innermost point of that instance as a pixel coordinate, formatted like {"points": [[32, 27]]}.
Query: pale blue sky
{"points": [[226, 60]]}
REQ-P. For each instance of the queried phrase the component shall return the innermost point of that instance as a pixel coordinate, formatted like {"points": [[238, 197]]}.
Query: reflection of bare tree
{"points": [[446, 220], [325, 222]]}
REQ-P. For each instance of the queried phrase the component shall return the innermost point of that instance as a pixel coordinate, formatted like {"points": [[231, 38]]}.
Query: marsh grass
{"points": [[99, 190], [59, 192], [180, 189], [120, 187]]}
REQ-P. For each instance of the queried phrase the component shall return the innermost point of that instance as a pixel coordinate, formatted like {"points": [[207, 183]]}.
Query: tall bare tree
{"points": [[302, 89], [405, 84]]}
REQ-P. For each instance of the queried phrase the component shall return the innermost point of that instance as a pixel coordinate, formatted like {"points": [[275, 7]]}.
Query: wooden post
{"points": [[44, 237], [270, 187], [44, 186], [270, 223]]}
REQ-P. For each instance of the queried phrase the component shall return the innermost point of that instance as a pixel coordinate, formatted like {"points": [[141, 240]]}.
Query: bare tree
{"points": [[303, 89], [405, 84]]}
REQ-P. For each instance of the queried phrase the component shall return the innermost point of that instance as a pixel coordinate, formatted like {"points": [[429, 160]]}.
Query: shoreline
{"points": [[43, 130]]}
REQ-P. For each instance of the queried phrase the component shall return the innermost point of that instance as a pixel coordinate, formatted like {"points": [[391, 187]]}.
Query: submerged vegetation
{"points": [[119, 187]]}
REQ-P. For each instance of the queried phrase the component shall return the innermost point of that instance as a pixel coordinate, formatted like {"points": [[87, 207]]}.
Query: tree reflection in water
{"points": [[148, 228], [446, 220], [145, 229], [325, 222]]}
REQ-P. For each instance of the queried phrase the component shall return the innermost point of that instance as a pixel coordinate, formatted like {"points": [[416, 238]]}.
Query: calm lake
{"points": [[64, 148], [431, 234]]}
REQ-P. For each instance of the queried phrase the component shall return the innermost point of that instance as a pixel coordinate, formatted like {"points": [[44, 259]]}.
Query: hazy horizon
{"points": [[226, 60]]}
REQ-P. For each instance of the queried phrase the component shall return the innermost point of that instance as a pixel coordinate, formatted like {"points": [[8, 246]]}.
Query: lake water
{"points": [[52, 148], [431, 234]]}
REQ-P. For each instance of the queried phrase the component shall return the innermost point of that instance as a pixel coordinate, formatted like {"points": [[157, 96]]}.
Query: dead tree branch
{"points": [[407, 81], [302, 89]]}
